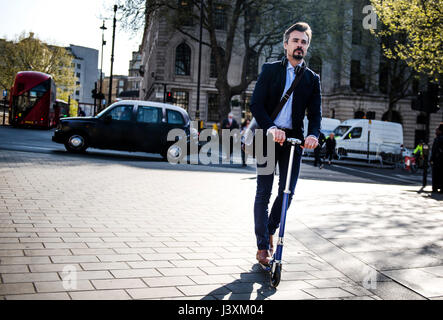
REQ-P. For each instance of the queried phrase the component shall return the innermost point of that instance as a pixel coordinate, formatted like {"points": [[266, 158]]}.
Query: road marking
{"points": [[29, 147], [381, 175]]}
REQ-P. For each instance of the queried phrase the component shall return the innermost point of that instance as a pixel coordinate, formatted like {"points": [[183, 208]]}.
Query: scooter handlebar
{"points": [[294, 141]]}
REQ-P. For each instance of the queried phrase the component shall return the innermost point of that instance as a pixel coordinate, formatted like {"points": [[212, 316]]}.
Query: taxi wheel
{"points": [[76, 143], [175, 153]]}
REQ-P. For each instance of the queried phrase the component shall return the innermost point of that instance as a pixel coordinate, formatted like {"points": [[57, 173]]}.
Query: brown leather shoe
{"points": [[271, 244], [263, 257]]}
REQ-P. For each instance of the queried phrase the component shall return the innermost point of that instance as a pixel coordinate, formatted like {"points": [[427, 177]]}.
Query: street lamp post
{"points": [[112, 55], [103, 28]]}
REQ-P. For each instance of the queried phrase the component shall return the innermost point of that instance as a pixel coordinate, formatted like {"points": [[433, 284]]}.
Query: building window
{"points": [[78, 74], [213, 67], [357, 79], [77, 93], [121, 83], [181, 99], [356, 32], [79, 66], [77, 83], [183, 60], [220, 17], [383, 77], [213, 107], [252, 67], [185, 13], [422, 119], [252, 16]]}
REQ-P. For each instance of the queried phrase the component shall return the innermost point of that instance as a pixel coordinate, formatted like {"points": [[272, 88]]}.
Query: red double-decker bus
{"points": [[32, 102], [61, 109]]}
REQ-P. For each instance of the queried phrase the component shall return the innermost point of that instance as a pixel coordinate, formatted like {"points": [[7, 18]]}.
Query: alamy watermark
{"points": [[370, 20], [263, 149], [370, 279], [69, 276]]}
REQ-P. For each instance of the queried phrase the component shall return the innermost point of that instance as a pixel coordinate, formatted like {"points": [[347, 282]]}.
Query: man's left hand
{"points": [[311, 142]]}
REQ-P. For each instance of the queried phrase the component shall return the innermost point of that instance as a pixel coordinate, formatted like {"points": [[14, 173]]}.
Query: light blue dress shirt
{"points": [[284, 118]]}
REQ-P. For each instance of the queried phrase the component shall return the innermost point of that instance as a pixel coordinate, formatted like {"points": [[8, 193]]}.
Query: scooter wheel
{"points": [[276, 276]]}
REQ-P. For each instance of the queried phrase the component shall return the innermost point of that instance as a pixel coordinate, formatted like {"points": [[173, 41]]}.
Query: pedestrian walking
{"points": [[331, 143], [244, 156], [230, 123], [418, 154], [437, 160], [81, 113], [317, 151], [281, 115]]}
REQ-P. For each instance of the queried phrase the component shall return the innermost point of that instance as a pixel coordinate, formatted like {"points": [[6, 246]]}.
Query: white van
{"points": [[356, 136], [327, 125]]}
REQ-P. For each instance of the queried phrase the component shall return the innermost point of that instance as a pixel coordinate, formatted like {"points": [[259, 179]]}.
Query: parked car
{"points": [[126, 126]]}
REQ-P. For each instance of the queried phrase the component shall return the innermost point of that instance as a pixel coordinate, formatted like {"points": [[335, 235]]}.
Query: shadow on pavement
{"points": [[246, 287], [429, 194]]}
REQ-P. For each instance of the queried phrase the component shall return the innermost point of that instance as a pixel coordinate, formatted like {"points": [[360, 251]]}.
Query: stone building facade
{"points": [[350, 75]]}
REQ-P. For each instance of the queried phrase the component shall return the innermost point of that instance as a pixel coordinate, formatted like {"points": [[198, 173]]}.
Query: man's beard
{"points": [[297, 56]]}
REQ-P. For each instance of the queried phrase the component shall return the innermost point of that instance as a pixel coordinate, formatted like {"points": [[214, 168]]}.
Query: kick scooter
{"points": [[275, 264]]}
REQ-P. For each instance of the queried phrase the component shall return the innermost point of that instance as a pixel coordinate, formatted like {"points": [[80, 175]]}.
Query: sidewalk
{"points": [[168, 232]]}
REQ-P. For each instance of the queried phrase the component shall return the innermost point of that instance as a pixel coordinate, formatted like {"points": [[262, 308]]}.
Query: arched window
{"points": [[183, 60], [213, 67]]}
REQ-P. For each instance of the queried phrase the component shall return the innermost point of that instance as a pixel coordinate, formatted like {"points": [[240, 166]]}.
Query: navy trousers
{"points": [[266, 224]]}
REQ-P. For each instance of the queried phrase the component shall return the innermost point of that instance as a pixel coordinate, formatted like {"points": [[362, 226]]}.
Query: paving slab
{"points": [[358, 241]]}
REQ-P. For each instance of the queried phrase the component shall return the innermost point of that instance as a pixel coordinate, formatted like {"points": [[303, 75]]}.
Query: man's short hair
{"points": [[299, 26]]}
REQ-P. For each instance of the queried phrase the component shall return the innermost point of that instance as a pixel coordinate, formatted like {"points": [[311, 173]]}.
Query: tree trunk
{"points": [[224, 101]]}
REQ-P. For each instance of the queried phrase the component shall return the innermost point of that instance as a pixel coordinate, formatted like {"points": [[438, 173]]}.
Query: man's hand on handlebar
{"points": [[279, 135], [311, 142]]}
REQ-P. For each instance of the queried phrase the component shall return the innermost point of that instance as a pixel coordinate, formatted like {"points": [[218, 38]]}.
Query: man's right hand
{"points": [[279, 135]]}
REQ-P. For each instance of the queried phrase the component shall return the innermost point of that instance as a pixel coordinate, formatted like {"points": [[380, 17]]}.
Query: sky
{"points": [[64, 22]]}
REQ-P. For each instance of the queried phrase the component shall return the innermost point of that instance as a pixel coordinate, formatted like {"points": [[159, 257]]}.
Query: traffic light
{"points": [[97, 95], [169, 97]]}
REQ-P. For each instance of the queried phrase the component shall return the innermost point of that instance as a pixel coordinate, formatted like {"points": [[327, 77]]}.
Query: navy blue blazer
{"points": [[306, 99]]}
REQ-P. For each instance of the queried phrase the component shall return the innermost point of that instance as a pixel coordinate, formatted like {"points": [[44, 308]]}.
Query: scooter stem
{"points": [[293, 142]]}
